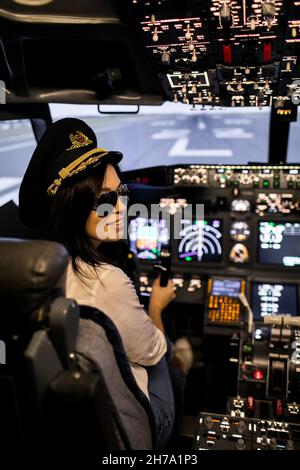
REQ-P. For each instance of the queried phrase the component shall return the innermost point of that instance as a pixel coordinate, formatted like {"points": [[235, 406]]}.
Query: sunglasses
{"points": [[111, 198]]}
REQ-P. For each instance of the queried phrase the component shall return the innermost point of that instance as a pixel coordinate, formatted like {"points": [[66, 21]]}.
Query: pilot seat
{"points": [[54, 397]]}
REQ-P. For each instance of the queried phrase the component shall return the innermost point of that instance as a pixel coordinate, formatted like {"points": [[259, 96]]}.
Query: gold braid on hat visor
{"points": [[75, 167]]}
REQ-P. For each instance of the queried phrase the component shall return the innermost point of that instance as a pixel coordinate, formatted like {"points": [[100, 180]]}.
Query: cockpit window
{"points": [[17, 143], [174, 134], [293, 155]]}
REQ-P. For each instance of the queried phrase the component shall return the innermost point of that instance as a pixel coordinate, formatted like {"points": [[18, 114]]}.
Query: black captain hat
{"points": [[67, 148]]}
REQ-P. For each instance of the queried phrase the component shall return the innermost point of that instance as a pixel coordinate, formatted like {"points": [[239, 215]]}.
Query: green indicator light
{"points": [[266, 184], [205, 222], [248, 348], [154, 250], [188, 258]]}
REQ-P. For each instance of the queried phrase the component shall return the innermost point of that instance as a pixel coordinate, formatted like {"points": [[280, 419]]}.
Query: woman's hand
{"points": [[160, 297]]}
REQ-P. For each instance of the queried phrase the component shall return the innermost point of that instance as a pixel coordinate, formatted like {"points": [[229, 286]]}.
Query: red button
{"points": [[250, 404], [258, 375], [267, 52], [227, 53]]}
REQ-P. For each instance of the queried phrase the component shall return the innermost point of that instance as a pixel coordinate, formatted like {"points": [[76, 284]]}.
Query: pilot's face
{"points": [[111, 227]]}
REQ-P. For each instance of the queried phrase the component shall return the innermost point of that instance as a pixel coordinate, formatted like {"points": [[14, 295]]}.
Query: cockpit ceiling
{"points": [[200, 52]]}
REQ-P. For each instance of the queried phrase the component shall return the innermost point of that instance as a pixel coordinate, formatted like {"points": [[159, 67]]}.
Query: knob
{"points": [[290, 444], [194, 56], [253, 21], [269, 12], [195, 179], [241, 427], [191, 45], [208, 422], [155, 35], [165, 58], [225, 12], [240, 444], [264, 441], [188, 33], [273, 443]]}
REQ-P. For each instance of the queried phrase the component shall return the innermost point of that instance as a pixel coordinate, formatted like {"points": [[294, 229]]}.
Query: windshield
{"points": [[173, 134], [17, 143]]}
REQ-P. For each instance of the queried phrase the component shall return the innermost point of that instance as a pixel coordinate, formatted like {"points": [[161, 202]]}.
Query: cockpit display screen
{"points": [[147, 236], [226, 287], [279, 243], [274, 299], [200, 240]]}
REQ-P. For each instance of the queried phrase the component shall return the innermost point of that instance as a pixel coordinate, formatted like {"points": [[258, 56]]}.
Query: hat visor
{"points": [[114, 157]]}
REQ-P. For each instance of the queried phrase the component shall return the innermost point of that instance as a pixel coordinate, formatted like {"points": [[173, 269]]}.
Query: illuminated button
{"points": [[266, 184], [278, 408], [248, 348], [258, 375]]}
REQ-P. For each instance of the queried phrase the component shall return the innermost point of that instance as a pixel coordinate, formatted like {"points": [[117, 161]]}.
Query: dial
{"points": [[239, 231], [239, 253]]}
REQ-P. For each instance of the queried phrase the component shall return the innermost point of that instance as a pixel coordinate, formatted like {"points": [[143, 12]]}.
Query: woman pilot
{"points": [[67, 180]]}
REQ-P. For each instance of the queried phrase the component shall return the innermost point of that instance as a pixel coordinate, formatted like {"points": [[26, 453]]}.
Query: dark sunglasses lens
{"points": [[110, 200]]}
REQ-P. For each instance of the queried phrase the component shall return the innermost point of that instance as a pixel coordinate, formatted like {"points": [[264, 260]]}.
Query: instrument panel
{"points": [[228, 220], [241, 217], [222, 52], [237, 176]]}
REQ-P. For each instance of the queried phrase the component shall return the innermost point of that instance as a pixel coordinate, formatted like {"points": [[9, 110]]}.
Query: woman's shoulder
{"points": [[112, 274], [106, 274]]}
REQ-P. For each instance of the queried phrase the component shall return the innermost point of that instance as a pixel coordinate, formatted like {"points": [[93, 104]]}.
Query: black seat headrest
{"points": [[29, 272]]}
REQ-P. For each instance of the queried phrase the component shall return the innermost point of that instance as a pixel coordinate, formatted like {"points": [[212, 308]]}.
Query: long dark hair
{"points": [[69, 211]]}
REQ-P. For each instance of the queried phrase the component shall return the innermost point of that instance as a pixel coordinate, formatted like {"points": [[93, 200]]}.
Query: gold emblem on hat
{"points": [[78, 139]]}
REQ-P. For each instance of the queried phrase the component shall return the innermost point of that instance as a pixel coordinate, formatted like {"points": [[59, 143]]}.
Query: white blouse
{"points": [[111, 291]]}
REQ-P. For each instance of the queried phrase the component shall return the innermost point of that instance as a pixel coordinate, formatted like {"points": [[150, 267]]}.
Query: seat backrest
{"points": [[55, 390]]}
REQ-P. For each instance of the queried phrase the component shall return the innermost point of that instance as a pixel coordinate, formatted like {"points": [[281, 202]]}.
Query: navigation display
{"points": [[201, 240], [279, 243]]}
